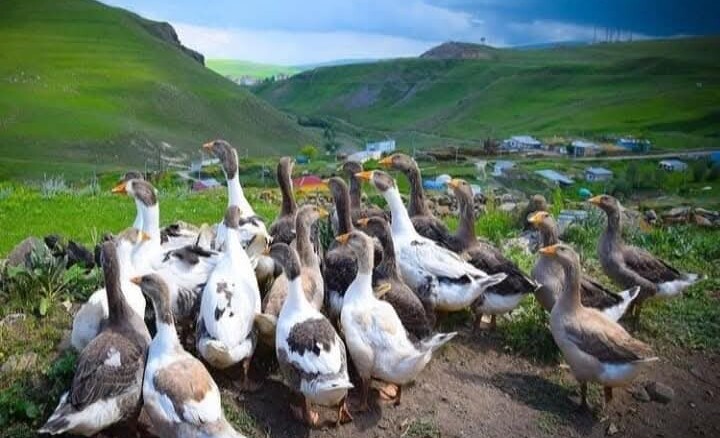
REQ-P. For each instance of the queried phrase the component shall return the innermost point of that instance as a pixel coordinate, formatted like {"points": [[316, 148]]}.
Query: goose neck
{"points": [[417, 205], [401, 223], [236, 196]]}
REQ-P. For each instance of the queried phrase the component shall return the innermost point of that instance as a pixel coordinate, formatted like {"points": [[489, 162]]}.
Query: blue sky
{"points": [[295, 32]]}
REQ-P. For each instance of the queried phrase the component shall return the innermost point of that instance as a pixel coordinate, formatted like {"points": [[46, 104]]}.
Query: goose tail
{"points": [[58, 422], [433, 343], [617, 311]]}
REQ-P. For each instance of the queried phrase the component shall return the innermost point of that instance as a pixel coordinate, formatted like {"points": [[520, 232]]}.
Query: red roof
{"points": [[307, 180]]}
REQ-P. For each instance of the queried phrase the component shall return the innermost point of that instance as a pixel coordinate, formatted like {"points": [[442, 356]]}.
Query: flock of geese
{"points": [[374, 293]]}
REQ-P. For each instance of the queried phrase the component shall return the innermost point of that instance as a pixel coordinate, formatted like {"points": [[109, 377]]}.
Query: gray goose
{"points": [[283, 229], [417, 317], [551, 276], [422, 219], [107, 385], [596, 348], [357, 211], [504, 296], [631, 266]]}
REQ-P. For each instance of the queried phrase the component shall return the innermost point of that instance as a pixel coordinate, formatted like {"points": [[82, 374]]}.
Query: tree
{"points": [[309, 151], [331, 145], [491, 146]]}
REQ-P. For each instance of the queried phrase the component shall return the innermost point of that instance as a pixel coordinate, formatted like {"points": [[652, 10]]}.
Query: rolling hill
{"points": [[666, 90], [84, 85]]}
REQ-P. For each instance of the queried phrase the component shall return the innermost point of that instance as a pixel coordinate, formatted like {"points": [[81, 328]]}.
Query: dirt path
{"points": [[474, 389]]}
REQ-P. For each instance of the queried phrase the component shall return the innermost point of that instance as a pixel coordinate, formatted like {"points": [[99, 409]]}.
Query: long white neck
{"points": [[124, 254], [138, 223], [151, 221], [401, 223], [360, 288], [166, 338], [236, 196], [232, 245], [296, 299]]}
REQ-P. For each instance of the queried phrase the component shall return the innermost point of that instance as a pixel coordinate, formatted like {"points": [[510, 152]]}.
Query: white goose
{"points": [[92, 315], [229, 303], [433, 272], [180, 397], [311, 354], [376, 339]]}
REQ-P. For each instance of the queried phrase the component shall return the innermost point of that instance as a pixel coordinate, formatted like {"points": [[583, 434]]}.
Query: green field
{"points": [[237, 68], [662, 89], [90, 85]]}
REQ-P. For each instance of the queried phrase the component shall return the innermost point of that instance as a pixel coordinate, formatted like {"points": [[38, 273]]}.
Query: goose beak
{"points": [[364, 176], [363, 222], [343, 238], [549, 250], [454, 183], [595, 200], [536, 218], [136, 280], [120, 188], [386, 162], [323, 213], [208, 146]]}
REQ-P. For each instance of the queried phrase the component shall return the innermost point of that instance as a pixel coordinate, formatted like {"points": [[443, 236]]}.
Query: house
{"points": [[197, 165], [205, 184], [673, 165], [555, 177], [594, 174], [634, 144], [501, 166], [582, 148], [363, 156], [309, 183], [384, 147], [521, 143], [715, 158], [568, 217]]}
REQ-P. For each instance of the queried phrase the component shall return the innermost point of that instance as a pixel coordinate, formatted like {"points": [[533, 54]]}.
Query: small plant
{"points": [[529, 333], [421, 428], [53, 186], [16, 406]]}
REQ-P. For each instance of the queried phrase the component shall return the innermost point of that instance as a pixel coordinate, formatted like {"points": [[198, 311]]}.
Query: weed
{"points": [[529, 333], [239, 418], [421, 428]]}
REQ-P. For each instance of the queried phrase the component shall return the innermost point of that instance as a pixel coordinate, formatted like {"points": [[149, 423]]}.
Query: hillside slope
{"points": [[664, 89], [238, 68], [85, 85]]}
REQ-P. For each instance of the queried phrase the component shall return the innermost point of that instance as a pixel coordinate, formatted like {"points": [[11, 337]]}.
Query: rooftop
{"points": [[554, 176], [598, 171]]}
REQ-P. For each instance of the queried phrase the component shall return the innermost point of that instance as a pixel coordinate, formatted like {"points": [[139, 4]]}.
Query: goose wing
{"points": [[607, 341], [648, 266], [313, 347], [436, 260]]}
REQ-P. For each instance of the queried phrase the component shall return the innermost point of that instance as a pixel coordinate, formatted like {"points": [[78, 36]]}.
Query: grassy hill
{"points": [[84, 85], [664, 89], [238, 68]]}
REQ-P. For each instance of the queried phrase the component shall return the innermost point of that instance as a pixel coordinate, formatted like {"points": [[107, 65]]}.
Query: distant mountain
{"points": [[336, 62], [84, 85], [666, 90], [459, 50], [236, 68]]}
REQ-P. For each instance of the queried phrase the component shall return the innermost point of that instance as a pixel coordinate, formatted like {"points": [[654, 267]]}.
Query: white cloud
{"points": [[293, 48]]}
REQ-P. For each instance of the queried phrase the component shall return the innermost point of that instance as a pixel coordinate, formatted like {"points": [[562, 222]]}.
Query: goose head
{"points": [[155, 288], [132, 175], [460, 187], [563, 253], [607, 203], [350, 168], [232, 217], [379, 179], [308, 214], [361, 245], [541, 219], [376, 227], [286, 257], [399, 162], [227, 155], [139, 189]]}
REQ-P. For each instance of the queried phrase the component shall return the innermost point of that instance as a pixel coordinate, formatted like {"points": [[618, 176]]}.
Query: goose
{"points": [[505, 296], [432, 271], [417, 317], [180, 397], [311, 355], [357, 211], [94, 314], [376, 339], [631, 266], [138, 222], [228, 306], [422, 219], [107, 386], [310, 273], [596, 348], [549, 273], [283, 229], [252, 232]]}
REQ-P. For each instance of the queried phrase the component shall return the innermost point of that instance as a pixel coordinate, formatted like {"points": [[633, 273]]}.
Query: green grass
{"points": [[90, 85], [238, 68], [661, 89]]}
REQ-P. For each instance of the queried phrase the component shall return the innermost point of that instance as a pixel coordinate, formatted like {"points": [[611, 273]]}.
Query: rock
{"points": [[701, 220], [20, 255], [660, 392], [12, 319], [508, 207], [678, 211], [640, 394], [19, 362], [612, 430], [651, 217]]}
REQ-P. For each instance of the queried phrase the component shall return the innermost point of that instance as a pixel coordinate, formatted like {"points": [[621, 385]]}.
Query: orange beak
{"points": [[144, 237], [386, 162], [537, 217], [343, 238], [323, 213], [363, 222], [136, 280], [120, 188], [454, 183], [364, 176], [208, 146], [549, 250], [595, 200]]}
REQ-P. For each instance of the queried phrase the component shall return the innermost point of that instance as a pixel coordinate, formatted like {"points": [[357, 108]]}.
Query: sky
{"points": [[297, 32]]}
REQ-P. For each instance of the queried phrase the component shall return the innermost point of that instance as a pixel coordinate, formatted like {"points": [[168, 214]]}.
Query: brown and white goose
{"points": [[107, 385], [597, 349], [283, 229], [357, 210], [631, 266], [506, 295], [180, 397], [422, 218], [550, 274]]}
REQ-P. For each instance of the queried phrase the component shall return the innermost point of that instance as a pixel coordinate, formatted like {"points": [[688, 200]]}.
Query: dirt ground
{"points": [[474, 389]]}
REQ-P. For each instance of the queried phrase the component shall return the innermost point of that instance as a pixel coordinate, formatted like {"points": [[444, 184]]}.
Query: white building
{"points": [[384, 147], [673, 165], [501, 166], [363, 156], [521, 142], [582, 148], [594, 174]]}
